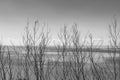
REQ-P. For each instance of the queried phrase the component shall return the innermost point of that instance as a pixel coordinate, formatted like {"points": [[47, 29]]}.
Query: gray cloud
{"points": [[90, 14]]}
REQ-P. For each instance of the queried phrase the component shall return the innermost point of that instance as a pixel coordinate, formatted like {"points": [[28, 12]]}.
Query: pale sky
{"points": [[91, 16]]}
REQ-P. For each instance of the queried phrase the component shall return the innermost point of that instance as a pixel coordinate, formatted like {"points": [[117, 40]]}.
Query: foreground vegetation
{"points": [[76, 64]]}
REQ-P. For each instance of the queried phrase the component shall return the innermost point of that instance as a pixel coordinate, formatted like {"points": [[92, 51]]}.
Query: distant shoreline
{"points": [[55, 49]]}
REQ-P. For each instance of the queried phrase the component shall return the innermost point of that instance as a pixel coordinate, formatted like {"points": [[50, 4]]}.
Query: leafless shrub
{"points": [[3, 71], [114, 44]]}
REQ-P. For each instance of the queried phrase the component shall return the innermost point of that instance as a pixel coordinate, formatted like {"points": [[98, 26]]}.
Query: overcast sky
{"points": [[91, 16]]}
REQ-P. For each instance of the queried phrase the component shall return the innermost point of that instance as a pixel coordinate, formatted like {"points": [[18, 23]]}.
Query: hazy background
{"points": [[91, 16]]}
